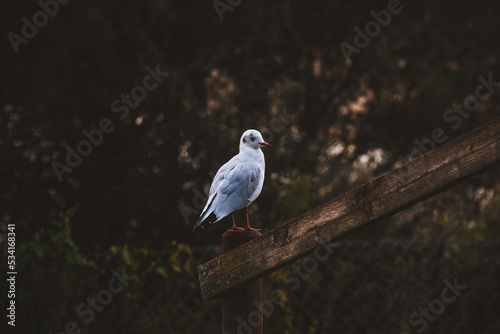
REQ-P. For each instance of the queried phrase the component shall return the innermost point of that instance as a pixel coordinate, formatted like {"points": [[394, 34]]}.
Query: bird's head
{"points": [[253, 139]]}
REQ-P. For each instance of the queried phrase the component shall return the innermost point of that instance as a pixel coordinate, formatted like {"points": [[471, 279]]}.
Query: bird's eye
{"points": [[252, 138]]}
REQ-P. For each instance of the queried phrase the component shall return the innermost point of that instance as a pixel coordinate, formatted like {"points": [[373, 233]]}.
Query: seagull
{"points": [[237, 183]]}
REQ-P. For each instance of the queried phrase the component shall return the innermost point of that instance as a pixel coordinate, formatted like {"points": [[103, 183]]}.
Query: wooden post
{"points": [[242, 308]]}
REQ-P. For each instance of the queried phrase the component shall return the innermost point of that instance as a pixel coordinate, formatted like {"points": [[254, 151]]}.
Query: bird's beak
{"points": [[265, 144]]}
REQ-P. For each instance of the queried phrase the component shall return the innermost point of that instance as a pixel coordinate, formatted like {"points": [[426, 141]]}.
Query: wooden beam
{"points": [[453, 162]]}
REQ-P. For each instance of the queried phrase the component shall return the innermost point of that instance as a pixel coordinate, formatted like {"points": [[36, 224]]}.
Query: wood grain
{"points": [[453, 162], [243, 305]]}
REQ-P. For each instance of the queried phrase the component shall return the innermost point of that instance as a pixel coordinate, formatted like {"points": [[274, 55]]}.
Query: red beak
{"points": [[265, 144]]}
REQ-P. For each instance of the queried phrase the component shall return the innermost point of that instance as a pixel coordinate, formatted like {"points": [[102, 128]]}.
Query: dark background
{"points": [[132, 201]]}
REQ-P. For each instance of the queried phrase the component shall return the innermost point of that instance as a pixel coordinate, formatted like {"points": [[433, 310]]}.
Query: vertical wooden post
{"points": [[242, 309]]}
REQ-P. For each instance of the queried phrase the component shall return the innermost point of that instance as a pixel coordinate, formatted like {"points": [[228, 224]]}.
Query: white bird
{"points": [[237, 183]]}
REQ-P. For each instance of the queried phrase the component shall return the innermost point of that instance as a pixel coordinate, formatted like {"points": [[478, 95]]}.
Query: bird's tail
{"points": [[206, 217], [204, 221]]}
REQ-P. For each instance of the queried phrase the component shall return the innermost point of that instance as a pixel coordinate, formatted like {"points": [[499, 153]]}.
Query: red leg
{"points": [[234, 225], [248, 228]]}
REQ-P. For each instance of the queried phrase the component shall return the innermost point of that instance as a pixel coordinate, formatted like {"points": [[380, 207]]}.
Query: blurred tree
{"points": [[351, 118]]}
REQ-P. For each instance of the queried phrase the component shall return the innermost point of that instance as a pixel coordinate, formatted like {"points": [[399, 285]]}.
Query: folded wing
{"points": [[234, 187]]}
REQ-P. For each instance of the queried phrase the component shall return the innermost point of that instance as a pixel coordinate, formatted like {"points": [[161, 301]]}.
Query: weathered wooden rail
{"points": [[453, 162]]}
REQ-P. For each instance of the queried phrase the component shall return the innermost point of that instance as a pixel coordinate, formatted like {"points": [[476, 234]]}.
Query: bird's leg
{"points": [[234, 225], [248, 228]]}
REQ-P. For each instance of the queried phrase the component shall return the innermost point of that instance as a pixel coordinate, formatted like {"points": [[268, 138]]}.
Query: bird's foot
{"points": [[248, 228], [237, 228]]}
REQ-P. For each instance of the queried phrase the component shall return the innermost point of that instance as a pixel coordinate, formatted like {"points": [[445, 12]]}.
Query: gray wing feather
{"points": [[235, 189], [222, 174]]}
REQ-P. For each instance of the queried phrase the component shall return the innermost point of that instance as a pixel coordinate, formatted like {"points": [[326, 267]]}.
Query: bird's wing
{"points": [[220, 178], [237, 188], [222, 174]]}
